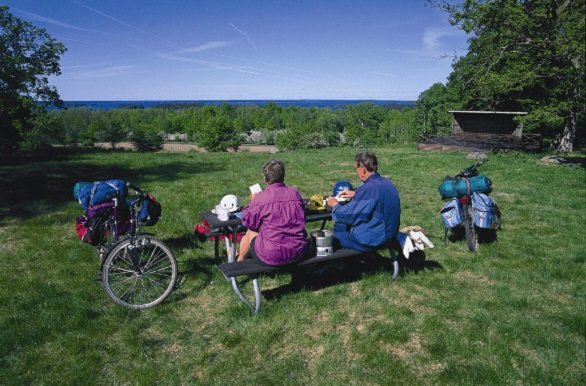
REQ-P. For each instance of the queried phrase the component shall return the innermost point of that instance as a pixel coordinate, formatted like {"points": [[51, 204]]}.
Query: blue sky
{"points": [[228, 49]]}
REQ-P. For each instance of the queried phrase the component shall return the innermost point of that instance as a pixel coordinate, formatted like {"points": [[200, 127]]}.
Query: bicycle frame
{"points": [[466, 203], [112, 223]]}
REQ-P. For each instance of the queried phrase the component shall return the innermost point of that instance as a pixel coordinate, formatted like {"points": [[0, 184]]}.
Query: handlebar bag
{"points": [[484, 210], [150, 211], [452, 214]]}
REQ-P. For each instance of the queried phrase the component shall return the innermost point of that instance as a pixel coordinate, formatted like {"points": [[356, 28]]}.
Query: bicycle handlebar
{"points": [[471, 171], [138, 191]]}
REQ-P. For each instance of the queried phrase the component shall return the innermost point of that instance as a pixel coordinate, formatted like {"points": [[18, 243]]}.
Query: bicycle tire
{"points": [[147, 281], [471, 234]]}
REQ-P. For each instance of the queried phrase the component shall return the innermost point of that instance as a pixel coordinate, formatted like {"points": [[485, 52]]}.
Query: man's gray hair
{"points": [[274, 171], [368, 161]]}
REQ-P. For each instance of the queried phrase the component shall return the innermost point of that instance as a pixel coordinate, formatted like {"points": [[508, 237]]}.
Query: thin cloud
{"points": [[243, 34], [107, 72], [286, 68], [432, 37], [386, 74], [204, 47], [227, 67], [43, 19], [120, 21]]}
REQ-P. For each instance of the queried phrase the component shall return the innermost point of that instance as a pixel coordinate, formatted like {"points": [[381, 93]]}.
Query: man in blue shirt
{"points": [[371, 219]]}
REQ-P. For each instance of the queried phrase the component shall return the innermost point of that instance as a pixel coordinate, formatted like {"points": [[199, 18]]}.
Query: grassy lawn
{"points": [[513, 313]]}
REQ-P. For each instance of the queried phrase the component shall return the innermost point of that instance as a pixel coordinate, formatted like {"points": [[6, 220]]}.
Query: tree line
{"points": [[523, 55], [226, 126]]}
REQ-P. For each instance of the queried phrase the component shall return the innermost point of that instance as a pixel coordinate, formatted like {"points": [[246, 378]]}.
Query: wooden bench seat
{"points": [[251, 267], [254, 268]]}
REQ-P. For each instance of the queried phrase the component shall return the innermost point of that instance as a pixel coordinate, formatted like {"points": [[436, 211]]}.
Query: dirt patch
{"points": [[185, 147]]}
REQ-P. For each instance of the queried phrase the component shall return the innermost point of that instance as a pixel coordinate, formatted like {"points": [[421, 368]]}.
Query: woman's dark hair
{"points": [[368, 161], [274, 171]]}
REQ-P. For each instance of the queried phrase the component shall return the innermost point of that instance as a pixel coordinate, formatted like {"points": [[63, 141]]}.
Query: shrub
{"points": [[146, 140]]}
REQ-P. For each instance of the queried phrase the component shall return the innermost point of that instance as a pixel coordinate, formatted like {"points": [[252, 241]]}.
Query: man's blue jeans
{"points": [[345, 240]]}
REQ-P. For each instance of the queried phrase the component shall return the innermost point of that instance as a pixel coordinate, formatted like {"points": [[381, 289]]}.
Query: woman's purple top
{"points": [[277, 214]]}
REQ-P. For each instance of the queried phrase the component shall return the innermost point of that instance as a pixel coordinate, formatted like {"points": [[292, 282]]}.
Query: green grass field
{"points": [[513, 313]]}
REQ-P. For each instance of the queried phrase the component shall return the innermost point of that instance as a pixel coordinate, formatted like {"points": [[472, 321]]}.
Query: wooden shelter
{"points": [[484, 130], [486, 122]]}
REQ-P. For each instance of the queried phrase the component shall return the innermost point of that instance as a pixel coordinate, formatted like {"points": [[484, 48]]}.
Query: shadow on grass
{"points": [[348, 270], [485, 236], [39, 183], [575, 161]]}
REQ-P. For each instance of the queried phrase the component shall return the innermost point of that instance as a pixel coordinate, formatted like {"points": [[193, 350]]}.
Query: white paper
{"points": [[255, 188]]}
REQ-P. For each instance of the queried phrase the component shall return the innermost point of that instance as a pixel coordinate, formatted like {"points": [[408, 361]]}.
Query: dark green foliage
{"points": [[524, 56], [431, 110], [146, 140], [28, 56], [109, 130], [219, 128], [218, 134]]}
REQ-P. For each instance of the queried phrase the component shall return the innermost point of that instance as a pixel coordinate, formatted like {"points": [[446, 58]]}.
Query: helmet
{"points": [[341, 186], [230, 202]]}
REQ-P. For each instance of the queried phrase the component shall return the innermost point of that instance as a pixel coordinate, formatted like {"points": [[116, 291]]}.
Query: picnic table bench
{"points": [[254, 268]]}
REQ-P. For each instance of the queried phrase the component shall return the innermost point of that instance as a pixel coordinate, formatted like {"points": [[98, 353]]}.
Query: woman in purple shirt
{"points": [[275, 219]]}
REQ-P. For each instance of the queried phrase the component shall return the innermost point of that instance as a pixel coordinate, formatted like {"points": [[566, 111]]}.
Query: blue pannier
{"points": [[485, 212], [452, 214]]}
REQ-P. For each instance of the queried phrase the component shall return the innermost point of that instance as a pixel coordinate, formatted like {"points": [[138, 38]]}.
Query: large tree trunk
{"points": [[564, 141]]}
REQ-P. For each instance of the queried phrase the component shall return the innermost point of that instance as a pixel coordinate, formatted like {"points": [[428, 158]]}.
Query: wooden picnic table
{"points": [[233, 226], [253, 268]]}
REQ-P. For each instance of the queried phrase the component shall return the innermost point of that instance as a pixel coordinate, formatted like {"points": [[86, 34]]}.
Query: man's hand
{"points": [[252, 196], [331, 201], [347, 194]]}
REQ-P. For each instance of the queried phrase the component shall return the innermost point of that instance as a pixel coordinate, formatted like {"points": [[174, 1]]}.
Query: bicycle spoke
{"points": [[138, 275]]}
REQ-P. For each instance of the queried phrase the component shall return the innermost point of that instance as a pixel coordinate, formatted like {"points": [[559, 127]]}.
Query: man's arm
{"points": [[353, 213]]}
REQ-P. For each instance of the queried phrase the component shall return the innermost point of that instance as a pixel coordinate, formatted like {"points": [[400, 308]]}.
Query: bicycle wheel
{"points": [[139, 272], [471, 235]]}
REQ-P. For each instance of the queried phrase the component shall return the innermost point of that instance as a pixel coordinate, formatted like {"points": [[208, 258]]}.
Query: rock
{"points": [[477, 156], [553, 160]]}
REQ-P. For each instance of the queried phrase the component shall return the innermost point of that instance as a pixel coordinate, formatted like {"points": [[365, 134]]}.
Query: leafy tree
{"points": [[145, 139], [110, 130], [399, 127], [524, 55], [28, 56], [218, 134], [432, 108], [361, 123]]}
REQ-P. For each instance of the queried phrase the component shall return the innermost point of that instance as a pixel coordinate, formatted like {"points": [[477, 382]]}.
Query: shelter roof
{"points": [[489, 112]]}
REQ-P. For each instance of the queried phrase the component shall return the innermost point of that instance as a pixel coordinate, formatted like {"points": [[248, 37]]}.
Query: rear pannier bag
{"points": [[150, 211], [452, 214], [485, 211], [90, 230]]}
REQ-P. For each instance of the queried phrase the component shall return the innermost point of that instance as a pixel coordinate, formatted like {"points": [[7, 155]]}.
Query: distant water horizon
{"points": [[143, 104]]}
